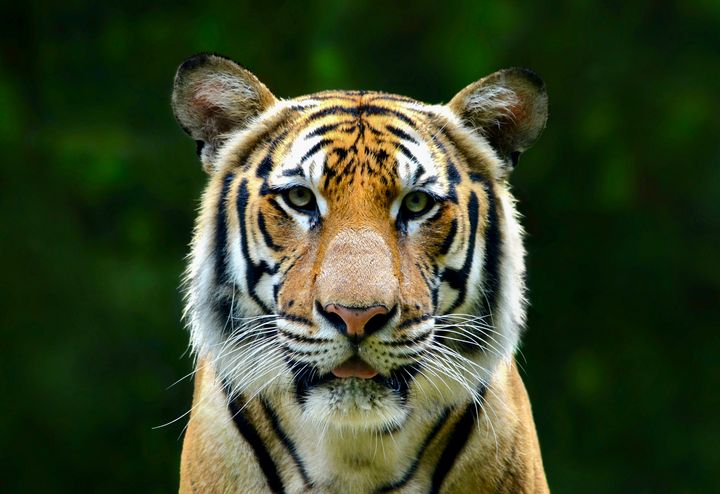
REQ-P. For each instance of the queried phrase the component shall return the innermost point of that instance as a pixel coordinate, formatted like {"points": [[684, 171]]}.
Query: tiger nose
{"points": [[357, 322]]}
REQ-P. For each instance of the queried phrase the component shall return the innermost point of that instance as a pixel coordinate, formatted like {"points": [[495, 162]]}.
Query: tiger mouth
{"points": [[354, 367], [307, 378]]}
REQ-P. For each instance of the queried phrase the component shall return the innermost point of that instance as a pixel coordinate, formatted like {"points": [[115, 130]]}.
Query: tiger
{"points": [[355, 288]]}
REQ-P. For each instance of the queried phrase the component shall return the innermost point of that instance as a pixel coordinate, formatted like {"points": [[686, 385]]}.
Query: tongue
{"points": [[355, 367]]}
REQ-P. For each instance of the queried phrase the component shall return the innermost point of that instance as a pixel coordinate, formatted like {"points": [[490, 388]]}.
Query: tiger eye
{"points": [[300, 197], [417, 202]]}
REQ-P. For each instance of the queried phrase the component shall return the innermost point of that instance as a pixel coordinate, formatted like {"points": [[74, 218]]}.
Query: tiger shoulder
{"points": [[355, 288]]}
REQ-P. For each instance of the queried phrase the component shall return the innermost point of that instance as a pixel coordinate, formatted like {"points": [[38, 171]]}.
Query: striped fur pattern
{"points": [[444, 409]]}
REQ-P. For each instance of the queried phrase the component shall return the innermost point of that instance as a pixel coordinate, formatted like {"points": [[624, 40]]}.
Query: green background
{"points": [[621, 198]]}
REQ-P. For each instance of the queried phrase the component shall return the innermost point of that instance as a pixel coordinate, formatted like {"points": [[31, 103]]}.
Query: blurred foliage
{"points": [[621, 198]]}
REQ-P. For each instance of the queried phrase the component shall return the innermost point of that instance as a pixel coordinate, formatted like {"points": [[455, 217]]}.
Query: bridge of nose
{"points": [[357, 269]]}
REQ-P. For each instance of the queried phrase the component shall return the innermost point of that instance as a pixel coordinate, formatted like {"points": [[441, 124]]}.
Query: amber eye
{"points": [[300, 198], [417, 203]]}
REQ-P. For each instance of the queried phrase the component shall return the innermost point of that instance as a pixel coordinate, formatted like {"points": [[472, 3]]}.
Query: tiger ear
{"points": [[509, 108], [213, 96]]}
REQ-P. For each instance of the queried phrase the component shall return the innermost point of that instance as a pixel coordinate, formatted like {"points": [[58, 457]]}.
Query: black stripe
{"points": [[324, 129], [332, 110], [295, 318], [313, 150], [265, 234], [304, 339], [435, 294], [251, 436], [221, 251], [408, 342], [381, 110], [359, 110], [453, 175], [294, 172], [414, 320], [397, 380], [447, 242], [305, 377], [491, 263], [276, 292], [253, 272], [265, 167], [476, 177], [278, 208], [458, 279], [400, 133], [280, 119], [407, 153], [419, 171], [455, 444], [418, 456], [285, 440]]}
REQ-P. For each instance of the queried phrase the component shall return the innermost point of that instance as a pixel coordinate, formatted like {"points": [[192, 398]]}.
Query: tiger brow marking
{"points": [[267, 163], [294, 172], [361, 110], [401, 133], [313, 150], [324, 129]]}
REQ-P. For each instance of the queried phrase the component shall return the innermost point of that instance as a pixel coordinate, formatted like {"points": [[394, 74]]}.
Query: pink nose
{"points": [[356, 319]]}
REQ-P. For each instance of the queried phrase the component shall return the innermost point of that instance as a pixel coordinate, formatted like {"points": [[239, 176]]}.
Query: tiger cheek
{"points": [[296, 293], [416, 295], [276, 226]]}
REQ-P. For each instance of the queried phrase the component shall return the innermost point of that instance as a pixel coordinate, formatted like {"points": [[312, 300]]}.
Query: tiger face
{"points": [[356, 251]]}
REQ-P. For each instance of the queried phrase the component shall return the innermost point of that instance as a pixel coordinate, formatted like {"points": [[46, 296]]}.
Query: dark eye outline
{"points": [[408, 215], [310, 208]]}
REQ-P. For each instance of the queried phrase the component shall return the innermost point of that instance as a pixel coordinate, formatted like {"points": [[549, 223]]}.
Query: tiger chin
{"points": [[355, 288]]}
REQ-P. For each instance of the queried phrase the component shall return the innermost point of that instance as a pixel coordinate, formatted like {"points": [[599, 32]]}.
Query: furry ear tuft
{"points": [[214, 96], [509, 108]]}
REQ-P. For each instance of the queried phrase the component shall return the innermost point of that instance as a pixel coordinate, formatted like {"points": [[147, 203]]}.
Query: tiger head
{"points": [[357, 252]]}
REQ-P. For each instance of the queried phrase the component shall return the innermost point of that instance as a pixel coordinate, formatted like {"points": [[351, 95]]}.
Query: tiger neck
{"points": [[267, 442], [362, 460]]}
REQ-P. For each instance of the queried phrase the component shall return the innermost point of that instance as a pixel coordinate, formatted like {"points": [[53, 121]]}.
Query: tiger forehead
{"points": [[362, 139]]}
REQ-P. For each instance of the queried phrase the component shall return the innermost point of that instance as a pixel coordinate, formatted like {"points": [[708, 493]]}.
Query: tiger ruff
{"points": [[355, 289]]}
